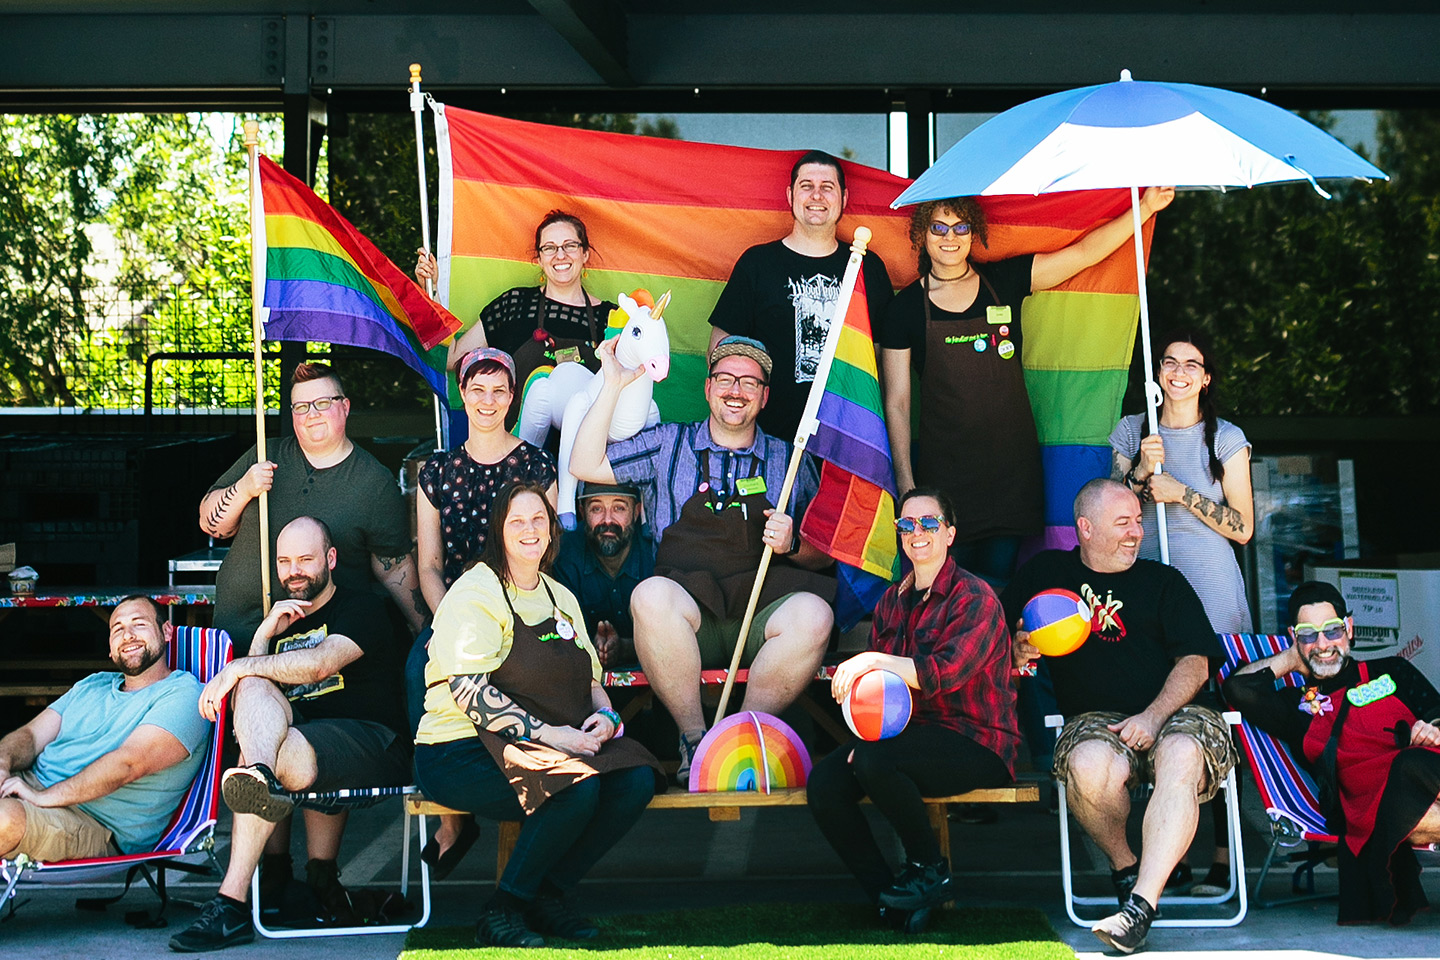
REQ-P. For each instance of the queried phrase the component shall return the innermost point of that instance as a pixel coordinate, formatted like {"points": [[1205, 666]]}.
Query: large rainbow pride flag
{"points": [[324, 280], [675, 215]]}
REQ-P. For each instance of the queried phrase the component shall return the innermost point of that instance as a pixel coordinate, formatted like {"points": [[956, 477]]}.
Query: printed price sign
{"points": [[1373, 598]]}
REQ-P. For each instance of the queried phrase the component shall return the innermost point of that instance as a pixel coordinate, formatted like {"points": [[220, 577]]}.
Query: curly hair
{"points": [[966, 208]]}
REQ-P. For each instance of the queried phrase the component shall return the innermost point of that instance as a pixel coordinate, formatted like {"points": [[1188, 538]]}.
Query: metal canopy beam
{"points": [[597, 31], [580, 47]]}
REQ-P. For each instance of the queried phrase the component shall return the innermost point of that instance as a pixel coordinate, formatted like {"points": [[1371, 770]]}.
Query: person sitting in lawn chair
{"points": [[1368, 731], [100, 770], [1133, 697], [318, 706]]}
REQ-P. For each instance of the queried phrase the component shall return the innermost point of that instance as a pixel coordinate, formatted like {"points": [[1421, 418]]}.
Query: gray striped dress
{"points": [[1205, 557]]}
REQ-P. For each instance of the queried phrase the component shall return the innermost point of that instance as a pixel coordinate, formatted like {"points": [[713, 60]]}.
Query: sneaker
{"points": [[687, 757], [919, 886], [1180, 879], [1124, 881], [499, 927], [909, 922], [222, 923], [276, 872], [336, 907], [1215, 883], [552, 916], [1126, 931], [255, 790]]}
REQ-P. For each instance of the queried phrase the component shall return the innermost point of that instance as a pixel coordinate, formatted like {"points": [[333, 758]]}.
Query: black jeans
{"points": [[922, 761], [562, 840]]}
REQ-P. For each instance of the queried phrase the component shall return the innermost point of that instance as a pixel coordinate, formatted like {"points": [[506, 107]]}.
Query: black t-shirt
{"points": [[369, 688], [903, 327], [1141, 622], [782, 298]]}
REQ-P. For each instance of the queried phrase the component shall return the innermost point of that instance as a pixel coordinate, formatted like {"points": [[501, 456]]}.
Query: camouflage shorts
{"points": [[1202, 724]]}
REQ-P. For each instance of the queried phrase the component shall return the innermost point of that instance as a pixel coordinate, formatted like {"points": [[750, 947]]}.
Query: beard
{"points": [[148, 658], [301, 587], [1325, 669], [609, 539]]}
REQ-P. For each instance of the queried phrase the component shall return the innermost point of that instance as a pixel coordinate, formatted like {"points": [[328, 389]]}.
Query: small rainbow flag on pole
{"points": [[325, 281], [852, 515]]}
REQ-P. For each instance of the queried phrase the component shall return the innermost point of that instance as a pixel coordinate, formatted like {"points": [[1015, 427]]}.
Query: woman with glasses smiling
{"points": [[558, 320], [943, 632], [960, 330]]}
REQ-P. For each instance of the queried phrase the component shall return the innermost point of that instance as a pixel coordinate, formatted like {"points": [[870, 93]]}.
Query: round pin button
{"points": [[1006, 349], [980, 346]]}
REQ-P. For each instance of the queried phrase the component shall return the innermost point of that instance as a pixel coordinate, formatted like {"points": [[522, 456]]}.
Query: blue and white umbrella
{"points": [[1135, 134]]}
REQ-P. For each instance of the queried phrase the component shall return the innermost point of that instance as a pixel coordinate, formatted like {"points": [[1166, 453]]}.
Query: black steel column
{"points": [[919, 122]]}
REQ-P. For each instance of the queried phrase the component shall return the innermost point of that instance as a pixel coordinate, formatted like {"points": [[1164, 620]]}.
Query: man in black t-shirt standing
{"points": [[783, 292], [317, 706], [1132, 698]]}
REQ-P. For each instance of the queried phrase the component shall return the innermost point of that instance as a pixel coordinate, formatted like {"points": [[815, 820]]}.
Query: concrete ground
{"points": [[678, 858]]}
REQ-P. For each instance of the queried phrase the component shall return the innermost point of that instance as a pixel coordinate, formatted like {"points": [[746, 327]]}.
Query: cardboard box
{"points": [[7, 557], [1396, 605]]}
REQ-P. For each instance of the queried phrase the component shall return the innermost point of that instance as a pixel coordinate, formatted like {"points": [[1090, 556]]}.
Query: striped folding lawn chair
{"points": [[1288, 792], [187, 844]]}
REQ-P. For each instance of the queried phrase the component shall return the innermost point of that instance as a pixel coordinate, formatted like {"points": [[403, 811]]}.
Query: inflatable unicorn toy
{"points": [[560, 396]]}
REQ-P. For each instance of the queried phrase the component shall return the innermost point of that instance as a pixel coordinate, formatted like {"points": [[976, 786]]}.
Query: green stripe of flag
{"points": [[1081, 407]]}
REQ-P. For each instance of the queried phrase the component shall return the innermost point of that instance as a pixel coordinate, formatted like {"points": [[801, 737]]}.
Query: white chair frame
{"points": [[1237, 862], [356, 798]]}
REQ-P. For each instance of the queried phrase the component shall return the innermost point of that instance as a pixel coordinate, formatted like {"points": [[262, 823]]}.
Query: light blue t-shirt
{"points": [[96, 717]]}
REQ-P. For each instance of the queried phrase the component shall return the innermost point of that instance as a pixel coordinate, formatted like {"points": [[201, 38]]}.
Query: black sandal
{"points": [[441, 864]]}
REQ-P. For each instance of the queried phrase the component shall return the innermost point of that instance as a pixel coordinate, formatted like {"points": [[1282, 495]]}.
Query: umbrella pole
{"points": [[1152, 389]]}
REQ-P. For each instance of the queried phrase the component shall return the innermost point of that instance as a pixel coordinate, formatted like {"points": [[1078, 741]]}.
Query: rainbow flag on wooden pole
{"points": [[325, 280]]}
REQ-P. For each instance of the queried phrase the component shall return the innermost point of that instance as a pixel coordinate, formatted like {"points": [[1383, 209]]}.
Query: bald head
{"points": [[1107, 525], [304, 557]]}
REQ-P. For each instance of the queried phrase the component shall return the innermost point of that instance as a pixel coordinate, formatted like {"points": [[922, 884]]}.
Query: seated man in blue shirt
{"points": [[603, 564], [101, 770]]}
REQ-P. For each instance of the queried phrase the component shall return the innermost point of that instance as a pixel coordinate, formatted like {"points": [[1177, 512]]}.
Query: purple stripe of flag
{"points": [[849, 454], [853, 420]]}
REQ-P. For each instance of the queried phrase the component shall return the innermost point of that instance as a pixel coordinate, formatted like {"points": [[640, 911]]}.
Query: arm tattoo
{"points": [[491, 710], [1222, 514], [387, 562], [1116, 473], [417, 597], [223, 504]]}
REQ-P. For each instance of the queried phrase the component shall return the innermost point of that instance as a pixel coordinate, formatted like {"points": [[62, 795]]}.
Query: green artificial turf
{"points": [[772, 931]]}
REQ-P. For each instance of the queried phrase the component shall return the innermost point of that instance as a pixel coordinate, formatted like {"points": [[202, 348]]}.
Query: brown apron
{"points": [[548, 675], [713, 550], [545, 349], [976, 439]]}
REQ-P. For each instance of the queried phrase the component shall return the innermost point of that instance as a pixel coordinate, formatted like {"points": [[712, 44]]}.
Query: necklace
{"points": [[968, 271]]}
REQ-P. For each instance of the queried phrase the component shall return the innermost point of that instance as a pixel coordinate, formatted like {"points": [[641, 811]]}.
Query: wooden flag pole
{"points": [[417, 107], [802, 439], [257, 330]]}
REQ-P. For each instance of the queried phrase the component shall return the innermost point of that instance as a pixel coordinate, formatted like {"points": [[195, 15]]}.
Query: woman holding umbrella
{"points": [[960, 329]]}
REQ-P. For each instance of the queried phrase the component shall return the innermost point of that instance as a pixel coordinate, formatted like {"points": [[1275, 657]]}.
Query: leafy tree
{"points": [[1315, 307]]}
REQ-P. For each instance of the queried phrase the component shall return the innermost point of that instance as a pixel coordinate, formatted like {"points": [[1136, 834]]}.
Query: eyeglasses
{"points": [[747, 384], [302, 407], [571, 247], [942, 229], [1308, 633], [1190, 367], [910, 524]]}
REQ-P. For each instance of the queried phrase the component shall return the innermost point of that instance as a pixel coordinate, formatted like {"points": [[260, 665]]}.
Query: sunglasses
{"points": [[911, 524], [943, 229], [1308, 633]]}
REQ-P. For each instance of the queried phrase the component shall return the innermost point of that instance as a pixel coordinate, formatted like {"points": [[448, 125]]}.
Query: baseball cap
{"points": [[735, 346], [588, 489]]}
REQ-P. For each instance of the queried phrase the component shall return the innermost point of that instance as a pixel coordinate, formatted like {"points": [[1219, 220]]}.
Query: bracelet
{"points": [[614, 719]]}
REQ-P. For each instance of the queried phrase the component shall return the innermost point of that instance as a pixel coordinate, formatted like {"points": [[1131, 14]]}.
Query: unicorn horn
{"points": [[660, 305]]}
